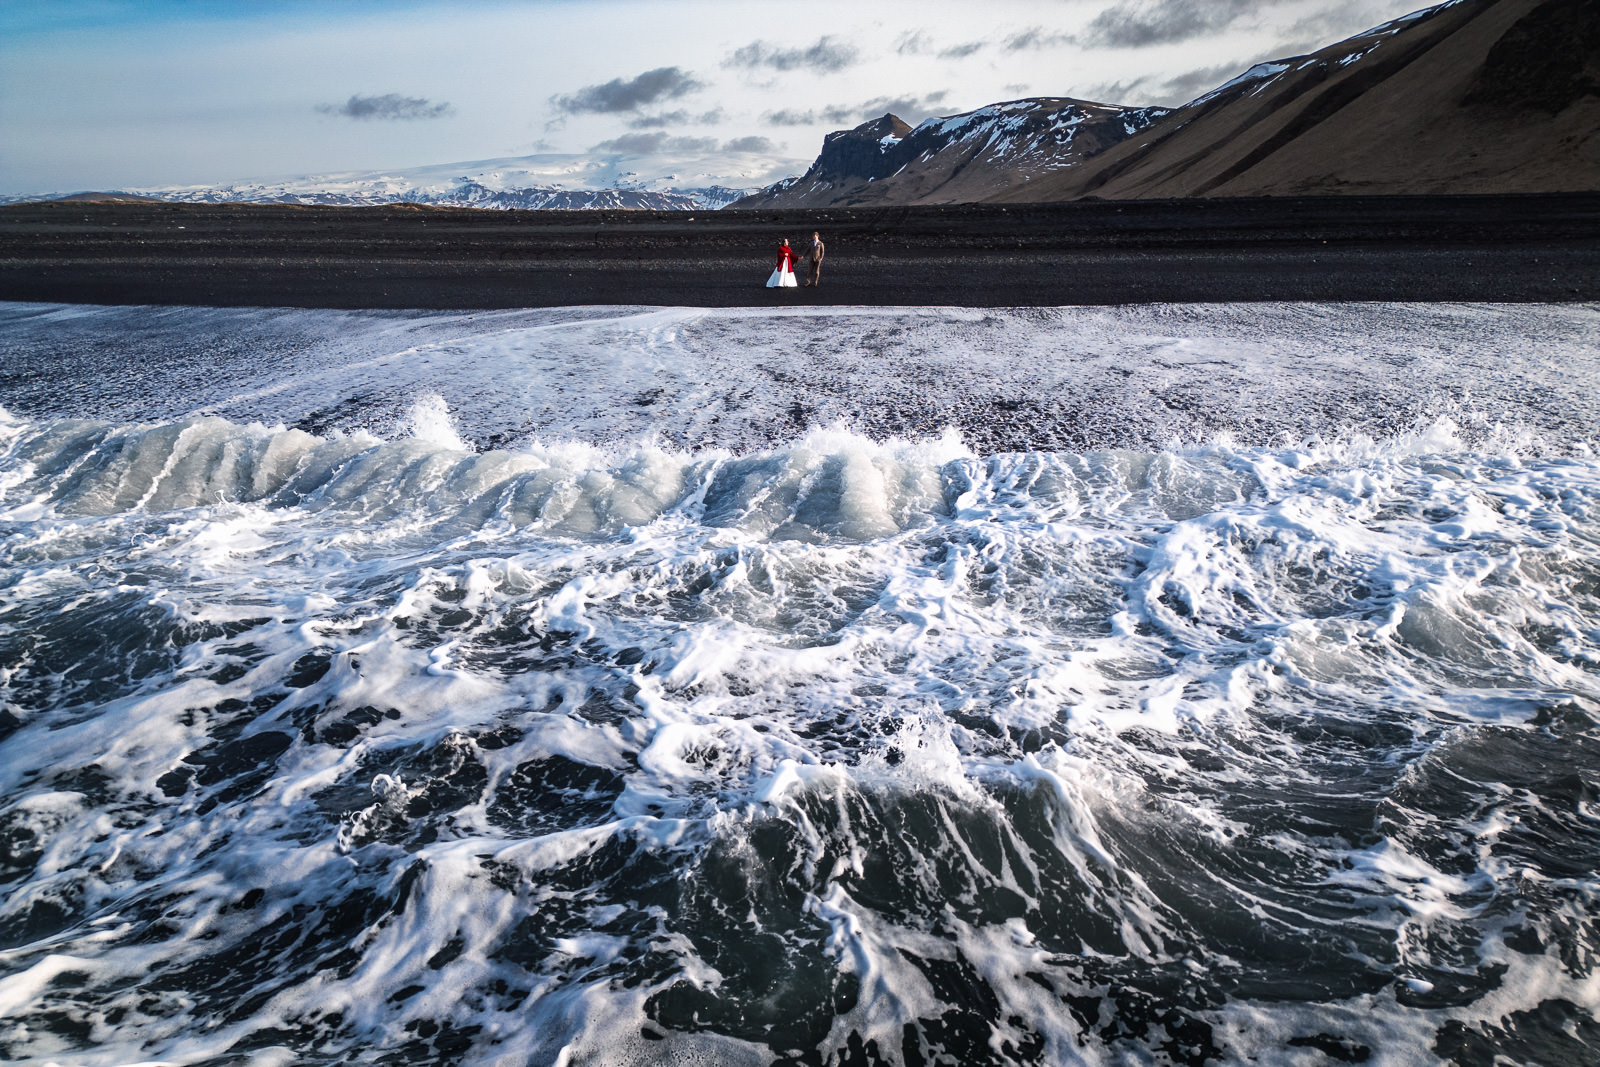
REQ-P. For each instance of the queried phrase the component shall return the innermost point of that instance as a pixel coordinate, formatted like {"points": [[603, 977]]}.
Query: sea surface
{"points": [[612, 686]]}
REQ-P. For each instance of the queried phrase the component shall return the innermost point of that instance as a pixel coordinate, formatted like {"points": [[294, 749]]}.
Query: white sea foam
{"points": [[609, 753], [429, 421]]}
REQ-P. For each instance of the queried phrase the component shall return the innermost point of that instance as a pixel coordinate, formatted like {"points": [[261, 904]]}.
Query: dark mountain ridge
{"points": [[1469, 96], [954, 159]]}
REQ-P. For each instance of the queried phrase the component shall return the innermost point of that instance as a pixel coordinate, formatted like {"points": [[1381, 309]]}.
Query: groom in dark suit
{"points": [[817, 249]]}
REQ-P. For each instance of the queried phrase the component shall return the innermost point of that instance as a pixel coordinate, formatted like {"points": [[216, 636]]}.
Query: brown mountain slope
{"points": [[1474, 96]]}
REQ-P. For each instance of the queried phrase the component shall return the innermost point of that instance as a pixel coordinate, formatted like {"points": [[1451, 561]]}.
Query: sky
{"points": [[128, 94]]}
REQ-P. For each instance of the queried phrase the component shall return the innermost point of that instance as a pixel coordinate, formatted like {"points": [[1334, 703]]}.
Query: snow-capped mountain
{"points": [[957, 158], [552, 181], [463, 192]]}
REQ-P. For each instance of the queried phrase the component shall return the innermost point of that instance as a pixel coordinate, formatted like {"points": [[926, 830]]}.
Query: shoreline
{"points": [[1057, 380], [1529, 248]]}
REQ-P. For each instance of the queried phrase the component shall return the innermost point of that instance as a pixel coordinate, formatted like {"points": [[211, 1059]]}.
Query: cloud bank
{"points": [[1035, 38], [618, 95], [918, 43], [911, 108], [649, 144], [828, 54], [389, 107], [1142, 23]]}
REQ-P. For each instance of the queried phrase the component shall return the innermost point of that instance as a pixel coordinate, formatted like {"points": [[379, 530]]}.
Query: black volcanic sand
{"points": [[1474, 248]]}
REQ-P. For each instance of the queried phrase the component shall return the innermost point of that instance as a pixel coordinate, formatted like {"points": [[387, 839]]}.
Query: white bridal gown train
{"points": [[782, 277]]}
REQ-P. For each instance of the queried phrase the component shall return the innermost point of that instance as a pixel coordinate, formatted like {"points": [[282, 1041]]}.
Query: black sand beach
{"points": [[1475, 248]]}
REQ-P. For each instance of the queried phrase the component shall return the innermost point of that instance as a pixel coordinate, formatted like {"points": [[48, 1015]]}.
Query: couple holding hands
{"points": [[783, 273]]}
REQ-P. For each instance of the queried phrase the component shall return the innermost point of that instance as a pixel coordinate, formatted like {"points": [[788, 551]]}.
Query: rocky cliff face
{"points": [[861, 153], [955, 159]]}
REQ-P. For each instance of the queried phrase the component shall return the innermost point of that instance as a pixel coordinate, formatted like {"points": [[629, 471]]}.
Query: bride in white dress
{"points": [[783, 273]]}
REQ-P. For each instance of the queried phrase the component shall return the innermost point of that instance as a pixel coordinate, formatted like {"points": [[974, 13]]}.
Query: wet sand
{"points": [[1072, 379], [1478, 248]]}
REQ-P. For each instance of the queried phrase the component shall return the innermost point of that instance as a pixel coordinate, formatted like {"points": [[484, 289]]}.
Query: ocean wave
{"points": [[324, 746]]}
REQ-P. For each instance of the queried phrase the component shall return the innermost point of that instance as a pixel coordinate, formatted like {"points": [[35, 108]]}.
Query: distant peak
{"points": [[888, 125]]}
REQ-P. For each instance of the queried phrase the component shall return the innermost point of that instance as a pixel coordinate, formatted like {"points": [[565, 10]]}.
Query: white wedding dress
{"points": [[782, 277]]}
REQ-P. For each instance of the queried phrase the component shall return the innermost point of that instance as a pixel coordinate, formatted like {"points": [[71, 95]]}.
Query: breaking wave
{"points": [[336, 749]]}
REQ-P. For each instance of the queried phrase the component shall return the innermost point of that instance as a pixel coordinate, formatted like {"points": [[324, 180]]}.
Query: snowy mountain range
{"points": [[463, 193], [539, 181]]}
